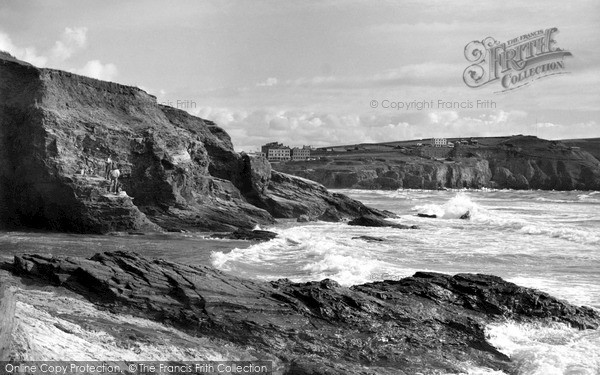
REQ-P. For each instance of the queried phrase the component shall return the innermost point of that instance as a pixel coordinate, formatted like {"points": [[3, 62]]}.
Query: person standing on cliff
{"points": [[108, 168], [114, 179]]}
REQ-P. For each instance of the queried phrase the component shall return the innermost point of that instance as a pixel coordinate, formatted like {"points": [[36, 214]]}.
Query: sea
{"points": [[548, 240]]}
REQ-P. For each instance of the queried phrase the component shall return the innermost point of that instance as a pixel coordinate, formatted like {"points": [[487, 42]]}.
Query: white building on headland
{"points": [[301, 153], [439, 142], [279, 154], [275, 151]]}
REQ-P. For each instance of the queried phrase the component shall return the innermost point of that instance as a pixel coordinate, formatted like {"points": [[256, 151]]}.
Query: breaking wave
{"points": [[555, 349], [298, 254], [456, 207]]}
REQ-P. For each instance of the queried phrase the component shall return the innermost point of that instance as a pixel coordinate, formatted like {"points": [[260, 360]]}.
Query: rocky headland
{"points": [[514, 162], [178, 172], [428, 323]]}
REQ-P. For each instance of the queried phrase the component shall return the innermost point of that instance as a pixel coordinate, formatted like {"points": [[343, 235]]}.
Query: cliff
{"points": [[428, 323], [519, 162], [179, 172]]}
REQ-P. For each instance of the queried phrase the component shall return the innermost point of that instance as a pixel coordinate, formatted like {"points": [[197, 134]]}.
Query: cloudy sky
{"points": [[308, 72]]}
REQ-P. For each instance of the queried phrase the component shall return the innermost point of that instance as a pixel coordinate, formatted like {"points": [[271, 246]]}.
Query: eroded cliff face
{"points": [[518, 163], [547, 168], [388, 175], [179, 172]]}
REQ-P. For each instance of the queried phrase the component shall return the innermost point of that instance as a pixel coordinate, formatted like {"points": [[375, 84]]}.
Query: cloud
{"points": [[250, 129], [28, 54], [271, 81], [95, 69], [428, 73], [443, 118], [71, 40]]}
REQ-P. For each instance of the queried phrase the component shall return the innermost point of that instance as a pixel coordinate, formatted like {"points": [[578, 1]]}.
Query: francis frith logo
{"points": [[514, 63]]}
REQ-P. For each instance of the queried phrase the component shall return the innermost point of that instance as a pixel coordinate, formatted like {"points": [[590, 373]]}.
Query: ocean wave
{"points": [[525, 222], [306, 253], [555, 349], [528, 225], [579, 199], [456, 207], [565, 233], [550, 200], [591, 197]]}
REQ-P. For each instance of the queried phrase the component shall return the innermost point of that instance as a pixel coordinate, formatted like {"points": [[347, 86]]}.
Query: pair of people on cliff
{"points": [[112, 174], [108, 167]]}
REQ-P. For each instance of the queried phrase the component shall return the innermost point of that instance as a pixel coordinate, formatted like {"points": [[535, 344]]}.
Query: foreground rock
{"points": [[425, 323], [371, 221], [7, 316], [179, 172]]}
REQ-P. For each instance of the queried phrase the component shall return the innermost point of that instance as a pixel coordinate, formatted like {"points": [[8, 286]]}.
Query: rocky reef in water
{"points": [[517, 162], [428, 323], [179, 172]]}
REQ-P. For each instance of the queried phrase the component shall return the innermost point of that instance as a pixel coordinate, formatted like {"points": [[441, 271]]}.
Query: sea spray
{"points": [[457, 207]]}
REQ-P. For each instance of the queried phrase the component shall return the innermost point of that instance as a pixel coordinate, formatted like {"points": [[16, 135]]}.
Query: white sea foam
{"points": [[313, 252], [589, 197], [547, 349], [472, 370], [570, 234]]}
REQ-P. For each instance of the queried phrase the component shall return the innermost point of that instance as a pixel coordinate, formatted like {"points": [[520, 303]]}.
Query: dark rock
{"points": [[330, 215], [303, 219], [244, 234], [369, 238], [427, 215], [370, 221], [466, 215], [428, 323], [287, 197], [180, 172]]}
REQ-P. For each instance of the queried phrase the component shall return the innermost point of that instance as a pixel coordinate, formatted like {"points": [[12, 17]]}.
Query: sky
{"points": [[322, 73]]}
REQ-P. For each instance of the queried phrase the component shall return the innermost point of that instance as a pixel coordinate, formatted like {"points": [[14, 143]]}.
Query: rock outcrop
{"points": [[179, 172], [245, 234], [520, 162], [427, 323], [370, 221]]}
